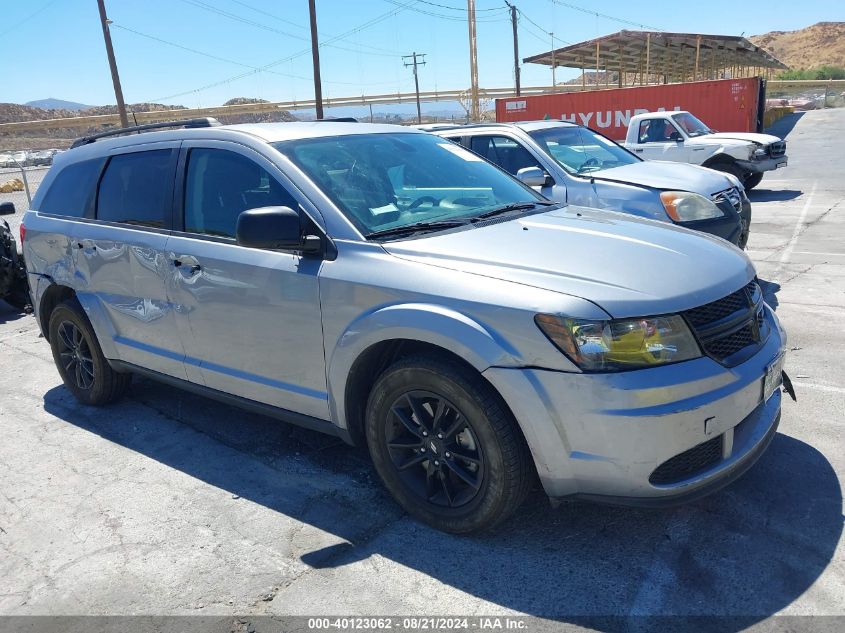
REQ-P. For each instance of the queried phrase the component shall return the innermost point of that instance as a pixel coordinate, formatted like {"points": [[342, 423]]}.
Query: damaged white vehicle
{"points": [[680, 137]]}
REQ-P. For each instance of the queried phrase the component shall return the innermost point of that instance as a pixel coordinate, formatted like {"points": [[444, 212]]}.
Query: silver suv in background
{"points": [[574, 164], [392, 288]]}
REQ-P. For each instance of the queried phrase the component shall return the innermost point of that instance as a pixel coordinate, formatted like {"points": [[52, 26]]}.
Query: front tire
{"points": [[79, 359], [752, 181], [445, 445]]}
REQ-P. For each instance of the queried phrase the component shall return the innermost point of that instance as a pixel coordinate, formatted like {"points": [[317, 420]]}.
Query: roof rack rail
{"points": [[188, 123], [337, 119]]}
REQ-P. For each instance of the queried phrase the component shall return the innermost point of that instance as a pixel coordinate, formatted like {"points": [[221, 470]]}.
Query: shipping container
{"points": [[726, 105]]}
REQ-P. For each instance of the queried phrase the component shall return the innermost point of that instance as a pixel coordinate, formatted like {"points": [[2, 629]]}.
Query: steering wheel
{"points": [[590, 162], [416, 204]]}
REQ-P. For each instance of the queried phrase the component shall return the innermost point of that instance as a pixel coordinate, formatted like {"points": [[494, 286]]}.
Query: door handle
{"points": [[638, 151], [188, 261]]}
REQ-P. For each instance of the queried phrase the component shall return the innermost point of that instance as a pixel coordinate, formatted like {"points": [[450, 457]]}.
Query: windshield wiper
{"points": [[516, 206], [419, 227]]}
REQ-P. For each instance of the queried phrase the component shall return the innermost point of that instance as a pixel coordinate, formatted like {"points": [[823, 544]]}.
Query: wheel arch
{"points": [[719, 157], [51, 297], [372, 343]]}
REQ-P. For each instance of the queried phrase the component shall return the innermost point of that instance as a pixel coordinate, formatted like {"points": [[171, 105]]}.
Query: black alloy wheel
{"points": [[75, 355], [434, 449]]}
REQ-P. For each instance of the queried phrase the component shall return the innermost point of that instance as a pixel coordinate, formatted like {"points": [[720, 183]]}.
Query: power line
{"points": [[455, 18], [360, 27], [28, 18], [542, 30], [299, 26], [238, 18], [464, 9], [237, 63], [603, 15]]}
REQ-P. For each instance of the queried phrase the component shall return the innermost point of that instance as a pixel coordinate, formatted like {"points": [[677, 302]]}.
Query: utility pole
{"points": [[415, 63], [115, 78], [474, 109], [315, 56], [515, 47], [554, 83]]}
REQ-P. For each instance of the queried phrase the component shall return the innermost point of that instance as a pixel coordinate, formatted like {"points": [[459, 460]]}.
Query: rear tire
{"points": [[445, 445], [79, 359]]}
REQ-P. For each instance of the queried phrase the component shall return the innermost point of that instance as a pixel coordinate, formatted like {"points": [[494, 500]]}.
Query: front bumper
{"points": [[602, 436], [728, 227], [765, 164]]}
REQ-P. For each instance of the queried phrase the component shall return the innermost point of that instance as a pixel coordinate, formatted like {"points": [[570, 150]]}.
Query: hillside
{"points": [[822, 44], [11, 112], [56, 104]]}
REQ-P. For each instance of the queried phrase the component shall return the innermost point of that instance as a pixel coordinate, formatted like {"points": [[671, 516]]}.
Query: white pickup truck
{"points": [[679, 136]]}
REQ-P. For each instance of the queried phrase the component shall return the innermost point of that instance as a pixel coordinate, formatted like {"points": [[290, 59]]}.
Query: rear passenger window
{"points": [[220, 184], [72, 192], [135, 188], [504, 152]]}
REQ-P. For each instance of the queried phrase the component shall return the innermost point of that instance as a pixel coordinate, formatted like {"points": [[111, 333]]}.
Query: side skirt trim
{"points": [[290, 417]]}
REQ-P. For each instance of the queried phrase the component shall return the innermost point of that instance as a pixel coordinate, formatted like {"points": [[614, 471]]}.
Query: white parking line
{"points": [[790, 246], [818, 387]]}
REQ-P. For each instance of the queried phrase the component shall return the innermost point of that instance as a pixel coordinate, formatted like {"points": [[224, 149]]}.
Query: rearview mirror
{"points": [[7, 208], [534, 177], [274, 228]]}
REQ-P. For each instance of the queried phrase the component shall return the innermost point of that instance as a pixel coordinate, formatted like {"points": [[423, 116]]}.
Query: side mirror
{"points": [[7, 208], [676, 137], [534, 177], [274, 228]]}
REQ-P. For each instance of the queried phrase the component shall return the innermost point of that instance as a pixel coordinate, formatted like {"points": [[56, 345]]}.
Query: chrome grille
{"points": [[730, 325], [732, 196]]}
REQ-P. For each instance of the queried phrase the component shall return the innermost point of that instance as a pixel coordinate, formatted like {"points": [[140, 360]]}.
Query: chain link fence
{"points": [[21, 173]]}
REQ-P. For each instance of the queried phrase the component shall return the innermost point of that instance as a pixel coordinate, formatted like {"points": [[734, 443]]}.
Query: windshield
{"points": [[388, 181], [690, 124], [580, 150]]}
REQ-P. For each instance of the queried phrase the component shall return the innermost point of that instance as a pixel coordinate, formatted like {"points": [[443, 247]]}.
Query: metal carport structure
{"points": [[643, 57]]}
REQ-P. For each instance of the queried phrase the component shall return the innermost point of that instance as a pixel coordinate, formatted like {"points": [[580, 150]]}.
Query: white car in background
{"points": [[680, 137]]}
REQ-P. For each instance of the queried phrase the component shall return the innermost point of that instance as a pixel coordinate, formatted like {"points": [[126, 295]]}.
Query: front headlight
{"points": [[760, 153], [686, 206], [620, 344]]}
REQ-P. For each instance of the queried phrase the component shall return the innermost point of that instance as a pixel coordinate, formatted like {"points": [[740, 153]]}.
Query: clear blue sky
{"points": [[54, 48]]}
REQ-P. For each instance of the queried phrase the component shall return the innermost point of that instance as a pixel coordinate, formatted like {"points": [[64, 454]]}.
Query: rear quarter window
{"points": [[136, 189], [73, 190]]}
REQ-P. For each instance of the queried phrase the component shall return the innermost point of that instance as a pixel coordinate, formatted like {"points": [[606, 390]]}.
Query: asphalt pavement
{"points": [[168, 503]]}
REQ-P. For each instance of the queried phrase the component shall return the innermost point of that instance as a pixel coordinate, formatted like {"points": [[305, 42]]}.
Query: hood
{"points": [[659, 174], [762, 139], [628, 266]]}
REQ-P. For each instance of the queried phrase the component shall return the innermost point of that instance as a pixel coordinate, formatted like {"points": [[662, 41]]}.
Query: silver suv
{"points": [[389, 287]]}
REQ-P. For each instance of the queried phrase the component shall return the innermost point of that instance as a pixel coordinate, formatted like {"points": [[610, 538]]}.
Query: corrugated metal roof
{"points": [[660, 53]]}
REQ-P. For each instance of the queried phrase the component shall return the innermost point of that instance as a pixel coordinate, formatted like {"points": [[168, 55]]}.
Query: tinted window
{"points": [[135, 189], [72, 192], [504, 151], [219, 185]]}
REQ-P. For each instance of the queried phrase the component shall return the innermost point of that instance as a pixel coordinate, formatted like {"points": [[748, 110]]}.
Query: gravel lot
{"points": [[162, 505]]}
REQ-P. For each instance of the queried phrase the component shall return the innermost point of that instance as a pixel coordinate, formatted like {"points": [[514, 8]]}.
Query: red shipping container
{"points": [[726, 105]]}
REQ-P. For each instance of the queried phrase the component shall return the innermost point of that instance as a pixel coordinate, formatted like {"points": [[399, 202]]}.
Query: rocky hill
{"points": [[821, 44], [11, 112], [264, 117]]}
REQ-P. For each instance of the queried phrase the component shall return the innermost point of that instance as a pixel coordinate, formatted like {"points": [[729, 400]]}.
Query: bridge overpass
{"points": [[335, 102]]}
